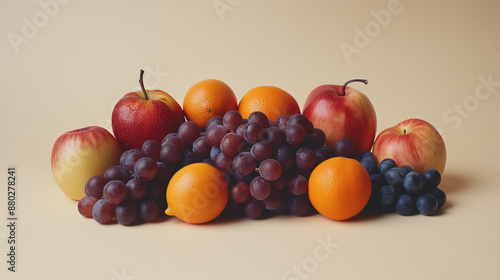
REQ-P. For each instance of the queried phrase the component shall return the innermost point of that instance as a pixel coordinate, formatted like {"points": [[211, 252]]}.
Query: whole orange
{"points": [[339, 188], [206, 99], [270, 100], [197, 193]]}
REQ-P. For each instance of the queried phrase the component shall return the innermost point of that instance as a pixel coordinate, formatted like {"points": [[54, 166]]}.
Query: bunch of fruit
{"points": [[273, 159]]}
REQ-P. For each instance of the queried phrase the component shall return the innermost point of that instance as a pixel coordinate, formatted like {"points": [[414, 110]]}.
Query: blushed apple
{"points": [[145, 115], [341, 111], [412, 142], [80, 154]]}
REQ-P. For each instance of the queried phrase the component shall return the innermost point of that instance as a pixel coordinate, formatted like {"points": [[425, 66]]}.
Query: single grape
{"points": [[214, 152], [324, 153], [115, 192], [285, 156], [151, 148], [262, 150], [170, 154], [224, 163], [240, 131], [244, 163], [201, 148], [386, 197], [216, 120], [378, 180], [148, 210], [259, 117], [137, 189], [406, 169], [297, 184], [319, 138], [85, 206], [126, 213], [215, 133], [427, 204], [432, 178], [273, 201], [295, 134], [260, 188], [344, 147], [282, 121], [370, 164], [117, 172], [232, 120], [146, 169], [174, 139], [189, 131], [298, 205], [103, 212], [276, 136], [405, 205], [301, 120], [253, 132], [439, 195], [413, 182], [386, 164], [253, 209], [95, 186], [305, 158], [270, 169], [394, 177], [164, 172], [230, 145], [131, 157], [240, 192]]}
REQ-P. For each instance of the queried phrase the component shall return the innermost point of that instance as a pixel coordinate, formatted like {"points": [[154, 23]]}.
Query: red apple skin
{"points": [[412, 142], [80, 154], [135, 119], [351, 115]]}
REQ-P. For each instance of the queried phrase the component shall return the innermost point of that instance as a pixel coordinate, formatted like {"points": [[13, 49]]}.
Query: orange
{"points": [[197, 193], [207, 99], [270, 100], [339, 188]]}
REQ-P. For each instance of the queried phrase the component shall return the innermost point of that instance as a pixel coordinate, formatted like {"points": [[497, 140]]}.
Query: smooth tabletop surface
{"points": [[64, 64]]}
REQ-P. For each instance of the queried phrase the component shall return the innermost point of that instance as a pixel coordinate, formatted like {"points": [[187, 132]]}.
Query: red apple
{"points": [[80, 154], [143, 115], [341, 111], [412, 142]]}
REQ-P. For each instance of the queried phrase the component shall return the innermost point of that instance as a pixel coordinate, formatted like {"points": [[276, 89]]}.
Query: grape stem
{"points": [[342, 93], [141, 82]]}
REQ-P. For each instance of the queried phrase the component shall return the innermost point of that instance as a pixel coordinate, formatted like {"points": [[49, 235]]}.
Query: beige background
{"points": [[424, 62]]}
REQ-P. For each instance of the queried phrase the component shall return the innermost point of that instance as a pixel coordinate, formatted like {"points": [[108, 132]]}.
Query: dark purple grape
{"points": [[270, 169], [253, 132], [305, 158], [188, 158], [201, 148], [298, 205], [240, 192], [174, 139], [164, 172], [215, 134], [223, 163], [151, 148], [244, 163], [209, 161], [344, 147], [297, 184], [262, 150], [103, 212], [273, 201], [232, 120], [301, 120], [126, 213], [276, 136], [282, 121], [230, 145], [285, 156], [253, 209], [295, 134], [214, 152], [117, 172], [319, 138], [260, 188], [156, 189], [137, 189], [146, 168], [95, 186], [216, 120], [189, 131], [280, 183], [115, 192], [309, 142], [170, 154], [324, 153], [259, 117], [148, 210], [241, 130], [131, 157], [85, 206]]}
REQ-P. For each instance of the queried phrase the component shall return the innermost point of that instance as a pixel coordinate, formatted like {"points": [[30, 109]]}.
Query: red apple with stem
{"points": [[341, 111], [143, 115], [412, 142]]}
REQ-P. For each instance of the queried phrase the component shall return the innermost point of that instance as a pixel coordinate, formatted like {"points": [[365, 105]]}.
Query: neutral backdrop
{"points": [[65, 64]]}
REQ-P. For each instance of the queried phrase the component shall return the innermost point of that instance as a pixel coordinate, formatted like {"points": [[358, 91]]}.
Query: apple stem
{"points": [[342, 93], [404, 131], [141, 82]]}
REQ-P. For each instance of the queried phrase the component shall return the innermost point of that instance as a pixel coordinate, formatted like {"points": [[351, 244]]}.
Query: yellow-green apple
{"points": [[412, 142], [343, 112], [80, 154], [144, 115]]}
